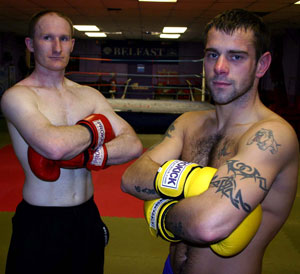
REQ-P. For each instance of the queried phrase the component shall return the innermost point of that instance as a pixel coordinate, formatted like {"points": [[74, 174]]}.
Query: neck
{"points": [[47, 78], [240, 111]]}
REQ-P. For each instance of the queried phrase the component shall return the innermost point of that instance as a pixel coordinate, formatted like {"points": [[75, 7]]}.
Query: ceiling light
{"points": [[153, 32], [86, 27], [157, 0], [297, 3], [114, 32], [174, 29], [95, 34], [171, 36]]}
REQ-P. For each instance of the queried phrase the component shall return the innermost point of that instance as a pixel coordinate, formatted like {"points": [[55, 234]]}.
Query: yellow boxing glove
{"points": [[175, 179], [241, 236], [179, 179], [155, 212]]}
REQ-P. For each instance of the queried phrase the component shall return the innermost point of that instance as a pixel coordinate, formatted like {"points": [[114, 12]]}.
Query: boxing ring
{"points": [[148, 99]]}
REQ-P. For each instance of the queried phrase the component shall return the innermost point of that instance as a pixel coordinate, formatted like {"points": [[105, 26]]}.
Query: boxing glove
{"points": [[97, 158], [175, 179], [43, 168], [100, 129], [49, 170], [91, 159], [155, 212], [179, 179], [241, 236]]}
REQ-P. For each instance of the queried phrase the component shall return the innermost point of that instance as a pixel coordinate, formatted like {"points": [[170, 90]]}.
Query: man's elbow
{"points": [[206, 232], [49, 150], [55, 149], [125, 181], [137, 148]]}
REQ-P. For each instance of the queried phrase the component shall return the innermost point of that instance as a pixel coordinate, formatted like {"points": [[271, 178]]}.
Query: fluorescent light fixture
{"points": [[174, 29], [170, 1], [170, 36], [95, 34], [297, 3], [86, 28]]}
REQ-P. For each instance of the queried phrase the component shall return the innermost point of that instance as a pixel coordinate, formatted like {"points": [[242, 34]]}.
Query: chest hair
{"points": [[211, 151]]}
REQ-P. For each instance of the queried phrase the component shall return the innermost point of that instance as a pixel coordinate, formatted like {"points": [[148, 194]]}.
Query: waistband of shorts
{"points": [[56, 209]]}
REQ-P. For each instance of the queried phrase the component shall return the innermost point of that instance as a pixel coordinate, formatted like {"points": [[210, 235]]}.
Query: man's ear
{"points": [[263, 64], [29, 44], [73, 43]]}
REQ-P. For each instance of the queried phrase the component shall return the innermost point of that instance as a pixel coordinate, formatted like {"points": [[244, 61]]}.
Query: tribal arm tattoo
{"points": [[227, 185]]}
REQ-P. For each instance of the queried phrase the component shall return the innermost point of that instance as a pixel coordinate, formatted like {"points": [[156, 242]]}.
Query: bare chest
{"points": [[62, 108], [212, 150]]}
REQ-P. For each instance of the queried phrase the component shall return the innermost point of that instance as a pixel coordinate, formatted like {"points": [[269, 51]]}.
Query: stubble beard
{"points": [[222, 97]]}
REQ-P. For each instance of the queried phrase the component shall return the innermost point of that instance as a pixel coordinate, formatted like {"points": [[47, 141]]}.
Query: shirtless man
{"points": [[254, 153], [57, 227]]}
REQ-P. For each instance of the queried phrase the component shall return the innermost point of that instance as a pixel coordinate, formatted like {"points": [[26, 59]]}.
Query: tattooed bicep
{"points": [[265, 140], [228, 185]]}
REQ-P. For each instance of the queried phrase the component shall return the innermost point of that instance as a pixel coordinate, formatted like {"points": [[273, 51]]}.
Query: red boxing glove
{"points": [[91, 159], [43, 168], [100, 129], [97, 158], [49, 170]]}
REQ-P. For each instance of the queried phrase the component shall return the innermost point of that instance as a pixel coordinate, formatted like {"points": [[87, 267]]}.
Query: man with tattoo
{"points": [[251, 156]]}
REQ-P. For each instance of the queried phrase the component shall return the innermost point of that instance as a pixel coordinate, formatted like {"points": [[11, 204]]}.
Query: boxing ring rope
{"points": [[136, 60], [184, 97], [125, 86], [132, 74]]}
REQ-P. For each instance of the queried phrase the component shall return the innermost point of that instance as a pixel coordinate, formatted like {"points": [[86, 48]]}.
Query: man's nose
{"points": [[57, 46], [221, 66]]}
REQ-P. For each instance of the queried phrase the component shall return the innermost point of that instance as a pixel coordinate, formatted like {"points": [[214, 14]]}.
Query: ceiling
{"points": [[136, 20]]}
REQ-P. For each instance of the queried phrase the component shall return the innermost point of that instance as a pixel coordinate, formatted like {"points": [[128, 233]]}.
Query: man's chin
{"points": [[57, 67]]}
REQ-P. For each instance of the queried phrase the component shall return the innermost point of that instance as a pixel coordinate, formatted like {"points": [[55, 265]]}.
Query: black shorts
{"points": [[67, 240]]}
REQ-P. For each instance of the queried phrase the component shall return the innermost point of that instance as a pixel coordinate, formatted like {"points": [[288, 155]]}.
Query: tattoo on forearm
{"points": [[265, 140], [145, 190], [227, 185]]}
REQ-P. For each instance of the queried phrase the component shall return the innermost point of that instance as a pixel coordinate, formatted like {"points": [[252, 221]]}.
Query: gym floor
{"points": [[132, 250]]}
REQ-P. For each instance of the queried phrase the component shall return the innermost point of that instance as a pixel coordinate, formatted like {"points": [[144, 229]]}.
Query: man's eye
{"points": [[212, 55], [47, 37], [65, 38], [236, 57]]}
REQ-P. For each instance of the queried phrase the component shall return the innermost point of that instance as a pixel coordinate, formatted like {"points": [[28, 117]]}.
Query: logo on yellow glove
{"points": [[172, 174]]}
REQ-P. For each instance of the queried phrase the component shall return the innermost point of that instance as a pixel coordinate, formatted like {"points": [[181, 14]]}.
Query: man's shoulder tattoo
{"points": [[169, 131], [265, 140]]}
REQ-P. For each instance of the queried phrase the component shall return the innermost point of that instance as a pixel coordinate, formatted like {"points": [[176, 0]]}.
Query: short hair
{"points": [[37, 16], [232, 20]]}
